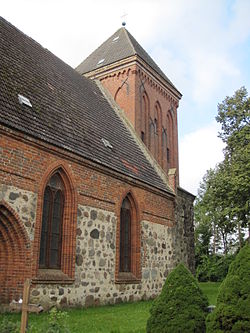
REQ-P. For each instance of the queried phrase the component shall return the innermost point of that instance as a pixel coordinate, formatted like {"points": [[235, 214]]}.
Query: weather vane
{"points": [[124, 19]]}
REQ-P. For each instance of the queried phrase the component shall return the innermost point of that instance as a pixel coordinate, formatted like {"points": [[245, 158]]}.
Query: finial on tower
{"points": [[124, 19]]}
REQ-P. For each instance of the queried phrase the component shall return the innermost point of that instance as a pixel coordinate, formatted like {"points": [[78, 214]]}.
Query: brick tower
{"points": [[143, 91]]}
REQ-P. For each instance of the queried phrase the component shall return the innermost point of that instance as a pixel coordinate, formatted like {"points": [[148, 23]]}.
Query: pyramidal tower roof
{"points": [[119, 46]]}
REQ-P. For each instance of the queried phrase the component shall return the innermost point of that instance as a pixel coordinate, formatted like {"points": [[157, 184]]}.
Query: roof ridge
{"points": [[134, 135], [129, 40]]}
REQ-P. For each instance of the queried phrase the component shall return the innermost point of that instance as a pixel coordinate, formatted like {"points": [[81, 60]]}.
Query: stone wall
{"points": [[24, 204], [183, 235], [95, 264], [162, 247]]}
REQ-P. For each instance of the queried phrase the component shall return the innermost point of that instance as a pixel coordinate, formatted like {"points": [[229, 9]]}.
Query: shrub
{"points": [[181, 306], [57, 322], [233, 302]]}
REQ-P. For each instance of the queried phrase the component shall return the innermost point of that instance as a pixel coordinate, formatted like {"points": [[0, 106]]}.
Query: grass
{"points": [[211, 290], [121, 318]]}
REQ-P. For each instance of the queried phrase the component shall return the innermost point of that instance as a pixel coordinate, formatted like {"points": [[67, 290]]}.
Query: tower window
{"points": [[142, 136], [168, 155], [156, 126]]}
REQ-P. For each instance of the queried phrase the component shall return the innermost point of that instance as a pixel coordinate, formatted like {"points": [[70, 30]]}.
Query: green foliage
{"points": [[57, 321], [181, 306], [213, 211], [234, 117], [213, 268], [8, 326], [233, 302], [222, 205]]}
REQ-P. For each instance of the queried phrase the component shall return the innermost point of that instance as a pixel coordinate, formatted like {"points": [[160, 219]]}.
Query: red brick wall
{"points": [[127, 86], [15, 256], [27, 164]]}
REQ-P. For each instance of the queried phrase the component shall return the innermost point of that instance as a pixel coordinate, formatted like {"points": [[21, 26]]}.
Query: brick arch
{"points": [[144, 117], [116, 95], [69, 219], [170, 139], [15, 255], [157, 141], [135, 273]]}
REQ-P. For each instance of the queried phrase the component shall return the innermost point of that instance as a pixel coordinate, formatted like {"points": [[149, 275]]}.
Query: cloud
{"points": [[199, 151]]}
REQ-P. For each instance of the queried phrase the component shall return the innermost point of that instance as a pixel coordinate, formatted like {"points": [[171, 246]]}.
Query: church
{"points": [[91, 208]]}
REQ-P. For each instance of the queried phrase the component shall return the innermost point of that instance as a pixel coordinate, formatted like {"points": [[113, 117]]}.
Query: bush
{"points": [[181, 306], [57, 322], [233, 302]]}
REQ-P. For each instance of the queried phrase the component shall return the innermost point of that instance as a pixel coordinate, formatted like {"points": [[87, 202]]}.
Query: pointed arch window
{"points": [[144, 118], [125, 237], [128, 241], [52, 221], [151, 135]]}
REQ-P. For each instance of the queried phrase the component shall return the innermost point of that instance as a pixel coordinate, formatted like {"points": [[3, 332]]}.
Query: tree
{"points": [[212, 210], [234, 117], [222, 205], [181, 306], [232, 310]]}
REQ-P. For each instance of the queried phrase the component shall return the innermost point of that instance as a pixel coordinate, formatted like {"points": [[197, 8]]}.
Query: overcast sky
{"points": [[203, 46]]}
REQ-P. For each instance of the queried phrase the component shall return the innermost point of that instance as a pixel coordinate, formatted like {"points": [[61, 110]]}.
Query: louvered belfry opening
{"points": [[125, 236], [52, 221]]}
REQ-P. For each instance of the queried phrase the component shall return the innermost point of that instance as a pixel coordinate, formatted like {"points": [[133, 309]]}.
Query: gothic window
{"points": [[170, 143], [144, 118], [157, 134], [128, 256], [142, 136], [52, 218], [164, 145], [125, 236], [156, 126], [168, 155], [151, 135]]}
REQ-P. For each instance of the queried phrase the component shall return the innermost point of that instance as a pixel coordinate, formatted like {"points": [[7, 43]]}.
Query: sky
{"points": [[203, 46]]}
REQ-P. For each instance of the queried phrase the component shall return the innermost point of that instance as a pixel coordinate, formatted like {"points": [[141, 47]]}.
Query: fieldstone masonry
{"points": [[24, 204], [95, 263], [162, 247]]}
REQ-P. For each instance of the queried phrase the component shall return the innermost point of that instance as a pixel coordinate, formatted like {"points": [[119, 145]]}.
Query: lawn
{"points": [[121, 318], [211, 290]]}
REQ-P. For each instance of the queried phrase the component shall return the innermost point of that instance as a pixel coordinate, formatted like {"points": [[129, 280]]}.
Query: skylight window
{"points": [[107, 143], [100, 61], [115, 39], [24, 100]]}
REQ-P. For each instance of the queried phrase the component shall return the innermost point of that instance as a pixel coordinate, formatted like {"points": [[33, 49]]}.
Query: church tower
{"points": [[143, 91]]}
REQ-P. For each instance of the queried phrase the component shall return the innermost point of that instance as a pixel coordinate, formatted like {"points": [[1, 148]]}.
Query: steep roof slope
{"points": [[68, 110], [119, 46]]}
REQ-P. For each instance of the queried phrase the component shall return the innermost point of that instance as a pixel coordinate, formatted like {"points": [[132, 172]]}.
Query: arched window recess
{"points": [[55, 233], [52, 223], [128, 242]]}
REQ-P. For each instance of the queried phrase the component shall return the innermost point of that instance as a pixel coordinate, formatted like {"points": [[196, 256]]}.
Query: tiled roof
{"points": [[68, 110], [119, 46]]}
